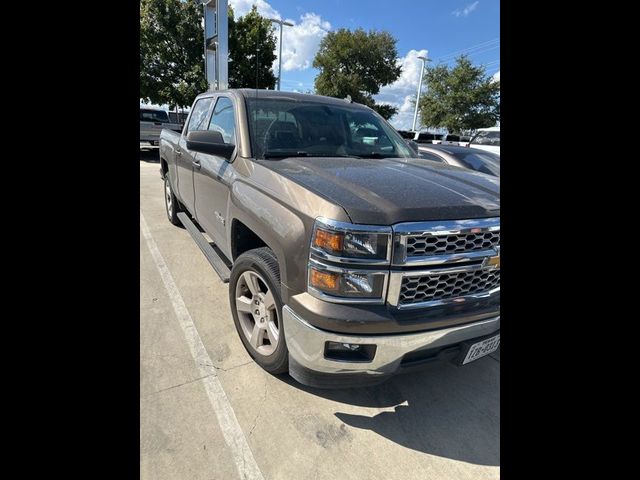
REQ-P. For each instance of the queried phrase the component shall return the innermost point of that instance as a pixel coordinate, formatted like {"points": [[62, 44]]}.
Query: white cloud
{"points": [[242, 7], [402, 92], [496, 76], [301, 42], [466, 10]]}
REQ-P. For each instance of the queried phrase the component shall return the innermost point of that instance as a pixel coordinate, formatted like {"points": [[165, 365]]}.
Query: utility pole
{"points": [[415, 113], [216, 43], [281, 22]]}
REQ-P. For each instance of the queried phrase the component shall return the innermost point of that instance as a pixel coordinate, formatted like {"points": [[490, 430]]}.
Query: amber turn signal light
{"points": [[325, 281], [328, 240]]}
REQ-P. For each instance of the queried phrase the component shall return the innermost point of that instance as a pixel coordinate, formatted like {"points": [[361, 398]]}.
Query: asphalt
{"points": [[442, 423]]}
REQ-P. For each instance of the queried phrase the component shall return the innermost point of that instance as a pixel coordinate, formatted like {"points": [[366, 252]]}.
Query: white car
{"points": [[152, 121], [487, 139]]}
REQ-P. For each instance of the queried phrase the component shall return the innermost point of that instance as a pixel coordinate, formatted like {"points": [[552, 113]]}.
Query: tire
{"points": [[259, 324], [171, 203]]}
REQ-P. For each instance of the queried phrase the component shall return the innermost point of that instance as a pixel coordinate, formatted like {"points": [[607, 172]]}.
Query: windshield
{"points": [[153, 116], [282, 128], [487, 138]]}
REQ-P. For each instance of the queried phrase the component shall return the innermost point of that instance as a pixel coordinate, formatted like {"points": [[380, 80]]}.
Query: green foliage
{"points": [[357, 63], [245, 34], [171, 52], [459, 98]]}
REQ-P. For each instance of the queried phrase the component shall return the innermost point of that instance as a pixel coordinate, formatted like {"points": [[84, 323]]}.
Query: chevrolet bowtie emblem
{"points": [[492, 261]]}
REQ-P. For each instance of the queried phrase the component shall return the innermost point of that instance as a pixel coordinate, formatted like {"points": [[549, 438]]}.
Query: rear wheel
{"points": [[256, 305], [171, 202]]}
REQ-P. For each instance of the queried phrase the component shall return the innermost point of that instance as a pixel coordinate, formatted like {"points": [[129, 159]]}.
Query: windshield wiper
{"points": [[377, 155], [284, 154]]}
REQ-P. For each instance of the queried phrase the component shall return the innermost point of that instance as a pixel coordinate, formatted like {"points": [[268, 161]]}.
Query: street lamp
{"points": [[415, 114], [281, 22]]}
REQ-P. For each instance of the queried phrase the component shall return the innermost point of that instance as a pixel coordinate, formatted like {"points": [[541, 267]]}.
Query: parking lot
{"points": [[208, 412]]}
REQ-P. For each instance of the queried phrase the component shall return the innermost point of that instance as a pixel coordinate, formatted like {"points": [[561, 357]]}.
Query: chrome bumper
{"points": [[306, 344]]}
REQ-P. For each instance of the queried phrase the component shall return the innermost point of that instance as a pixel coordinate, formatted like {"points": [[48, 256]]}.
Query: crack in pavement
{"points": [[179, 385], [225, 369], [264, 397]]}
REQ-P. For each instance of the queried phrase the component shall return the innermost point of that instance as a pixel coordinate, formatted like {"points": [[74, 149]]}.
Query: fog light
{"points": [[349, 352]]}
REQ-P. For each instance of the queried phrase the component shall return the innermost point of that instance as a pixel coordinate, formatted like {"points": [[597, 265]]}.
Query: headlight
{"points": [[350, 243], [342, 262], [345, 285]]}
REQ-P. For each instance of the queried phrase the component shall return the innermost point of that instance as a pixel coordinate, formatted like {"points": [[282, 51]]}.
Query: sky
{"points": [[439, 29]]}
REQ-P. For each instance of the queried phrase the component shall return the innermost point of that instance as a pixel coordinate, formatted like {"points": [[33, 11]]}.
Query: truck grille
{"points": [[427, 245], [435, 286]]}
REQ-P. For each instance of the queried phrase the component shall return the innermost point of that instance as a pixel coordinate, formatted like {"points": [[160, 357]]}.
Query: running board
{"points": [[214, 259]]}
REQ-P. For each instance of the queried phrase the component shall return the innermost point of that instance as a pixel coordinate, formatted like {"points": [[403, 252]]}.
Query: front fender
{"points": [[280, 228]]}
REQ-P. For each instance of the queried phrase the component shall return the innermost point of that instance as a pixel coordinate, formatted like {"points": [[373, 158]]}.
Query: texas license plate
{"points": [[482, 348]]}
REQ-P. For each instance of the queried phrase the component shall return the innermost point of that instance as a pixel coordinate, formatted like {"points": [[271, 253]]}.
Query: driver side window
{"points": [[223, 120], [199, 115]]}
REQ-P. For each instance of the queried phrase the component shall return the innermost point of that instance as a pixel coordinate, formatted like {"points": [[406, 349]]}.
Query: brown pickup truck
{"points": [[348, 257]]}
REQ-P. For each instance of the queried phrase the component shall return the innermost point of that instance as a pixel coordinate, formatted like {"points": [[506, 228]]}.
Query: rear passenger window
{"points": [[223, 120], [199, 115]]}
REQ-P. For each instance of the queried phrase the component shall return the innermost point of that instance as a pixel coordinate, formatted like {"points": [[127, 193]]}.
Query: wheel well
{"points": [[243, 239], [164, 167]]}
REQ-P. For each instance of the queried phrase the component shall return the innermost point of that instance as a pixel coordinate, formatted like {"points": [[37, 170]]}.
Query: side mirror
{"points": [[211, 142]]}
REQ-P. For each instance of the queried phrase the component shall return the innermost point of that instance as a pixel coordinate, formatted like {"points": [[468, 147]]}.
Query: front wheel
{"points": [[256, 305]]}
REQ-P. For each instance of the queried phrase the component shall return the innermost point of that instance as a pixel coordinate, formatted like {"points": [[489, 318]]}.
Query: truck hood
{"points": [[392, 190]]}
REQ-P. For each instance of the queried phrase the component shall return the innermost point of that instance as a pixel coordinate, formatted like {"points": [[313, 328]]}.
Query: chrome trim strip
{"points": [[452, 258], [354, 300], [449, 227], [351, 260]]}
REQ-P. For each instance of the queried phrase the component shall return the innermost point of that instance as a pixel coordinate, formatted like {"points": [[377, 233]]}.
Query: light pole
{"points": [[281, 22], [415, 113]]}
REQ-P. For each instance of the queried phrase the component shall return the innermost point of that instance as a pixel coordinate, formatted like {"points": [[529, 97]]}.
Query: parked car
{"points": [[472, 158], [348, 259], [179, 118], [407, 134], [464, 140], [152, 121], [487, 139], [427, 137]]}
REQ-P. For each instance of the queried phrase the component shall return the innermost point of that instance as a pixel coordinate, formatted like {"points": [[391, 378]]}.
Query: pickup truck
{"points": [[348, 258], [152, 121]]}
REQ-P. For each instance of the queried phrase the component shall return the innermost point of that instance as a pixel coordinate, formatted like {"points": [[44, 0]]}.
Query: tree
{"points": [[171, 52], [459, 98], [357, 63], [245, 34]]}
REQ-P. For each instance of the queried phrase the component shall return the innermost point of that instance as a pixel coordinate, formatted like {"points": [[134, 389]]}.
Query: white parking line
{"points": [[233, 434]]}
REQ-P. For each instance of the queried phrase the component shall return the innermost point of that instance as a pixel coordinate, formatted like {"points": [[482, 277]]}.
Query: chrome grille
{"points": [[427, 245], [446, 285]]}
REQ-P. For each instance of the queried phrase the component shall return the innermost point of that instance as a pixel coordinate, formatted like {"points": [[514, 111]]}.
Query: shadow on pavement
{"points": [[445, 410], [149, 154]]}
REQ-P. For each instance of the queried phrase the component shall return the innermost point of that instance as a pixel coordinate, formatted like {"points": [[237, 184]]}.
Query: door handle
{"points": [[196, 164], [179, 153]]}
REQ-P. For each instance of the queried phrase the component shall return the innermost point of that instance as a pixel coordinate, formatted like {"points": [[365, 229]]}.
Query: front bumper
{"points": [[309, 365]]}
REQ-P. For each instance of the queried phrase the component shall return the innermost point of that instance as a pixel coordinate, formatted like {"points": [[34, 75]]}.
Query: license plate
{"points": [[480, 349]]}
